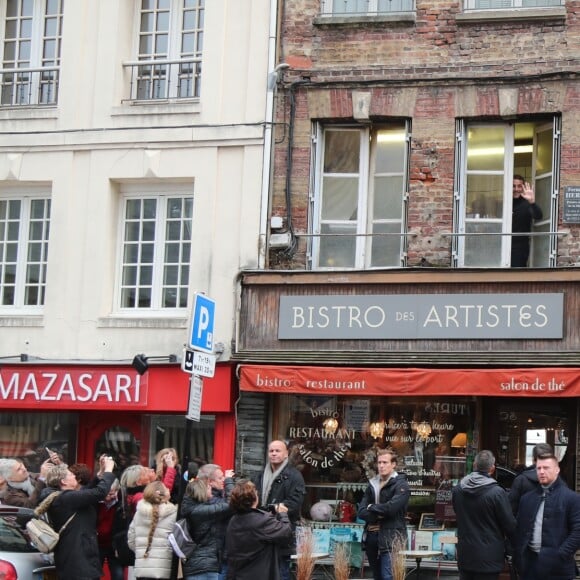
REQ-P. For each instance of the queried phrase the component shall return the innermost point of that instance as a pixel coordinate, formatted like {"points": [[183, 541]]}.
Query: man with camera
{"points": [[281, 483]]}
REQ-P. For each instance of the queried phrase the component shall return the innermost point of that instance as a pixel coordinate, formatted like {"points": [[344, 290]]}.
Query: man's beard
{"points": [[25, 485]]}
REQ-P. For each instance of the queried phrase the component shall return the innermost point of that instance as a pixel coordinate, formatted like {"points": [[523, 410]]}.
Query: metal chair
{"points": [[444, 540]]}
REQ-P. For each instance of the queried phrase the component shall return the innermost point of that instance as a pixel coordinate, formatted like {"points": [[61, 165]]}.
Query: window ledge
{"points": [[28, 112], [164, 107], [394, 18], [142, 322], [21, 321], [558, 12]]}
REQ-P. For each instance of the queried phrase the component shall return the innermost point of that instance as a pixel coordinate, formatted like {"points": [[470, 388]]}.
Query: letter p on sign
{"points": [[202, 322]]}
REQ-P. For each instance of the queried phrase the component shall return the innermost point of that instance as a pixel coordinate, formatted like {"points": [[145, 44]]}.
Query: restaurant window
{"points": [[28, 436], [334, 441], [359, 205], [488, 156]]}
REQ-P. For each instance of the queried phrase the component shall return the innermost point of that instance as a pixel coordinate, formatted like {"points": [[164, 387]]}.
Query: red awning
{"points": [[534, 382]]}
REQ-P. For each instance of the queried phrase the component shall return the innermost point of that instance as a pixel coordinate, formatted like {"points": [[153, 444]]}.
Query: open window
{"points": [[489, 155], [359, 205]]}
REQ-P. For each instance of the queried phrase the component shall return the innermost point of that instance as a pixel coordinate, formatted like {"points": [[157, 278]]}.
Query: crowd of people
{"points": [[124, 523], [245, 530]]}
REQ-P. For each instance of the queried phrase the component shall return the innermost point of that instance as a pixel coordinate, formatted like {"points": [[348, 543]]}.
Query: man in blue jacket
{"points": [[484, 521], [548, 532], [383, 508]]}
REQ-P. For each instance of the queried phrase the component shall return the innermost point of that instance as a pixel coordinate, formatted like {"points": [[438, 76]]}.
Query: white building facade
{"points": [[131, 175]]}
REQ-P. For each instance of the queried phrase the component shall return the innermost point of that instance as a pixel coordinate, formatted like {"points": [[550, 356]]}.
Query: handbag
{"points": [[42, 535]]}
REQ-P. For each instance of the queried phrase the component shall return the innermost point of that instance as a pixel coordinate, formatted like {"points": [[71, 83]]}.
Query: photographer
{"points": [[77, 552], [254, 537]]}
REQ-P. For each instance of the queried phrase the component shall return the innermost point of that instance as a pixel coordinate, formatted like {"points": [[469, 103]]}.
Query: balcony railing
{"points": [[365, 7], [152, 80], [29, 86]]}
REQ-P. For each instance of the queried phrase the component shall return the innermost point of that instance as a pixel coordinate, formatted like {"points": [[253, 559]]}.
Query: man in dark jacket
{"points": [[527, 480], [281, 483], [484, 521], [77, 553], [383, 508], [524, 213], [548, 527]]}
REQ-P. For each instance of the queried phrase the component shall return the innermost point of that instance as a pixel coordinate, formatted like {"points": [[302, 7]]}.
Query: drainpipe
{"points": [[268, 134]]}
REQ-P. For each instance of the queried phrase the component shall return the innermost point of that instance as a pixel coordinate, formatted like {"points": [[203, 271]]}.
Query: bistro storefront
{"points": [[435, 366], [81, 411]]}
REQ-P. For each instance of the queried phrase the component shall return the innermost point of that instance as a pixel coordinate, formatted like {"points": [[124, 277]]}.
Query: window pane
{"points": [[486, 148], [149, 208], [147, 253], [163, 22], [544, 195], [388, 198], [337, 251], [147, 21], [148, 231], [484, 196], [129, 275], [161, 44], [342, 152], [171, 253], [133, 210], [544, 148], [145, 275], [50, 26], [390, 150], [386, 250], [482, 251], [340, 198]]}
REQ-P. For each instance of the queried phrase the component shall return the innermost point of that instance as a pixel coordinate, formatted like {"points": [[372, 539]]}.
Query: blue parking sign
{"points": [[202, 322]]}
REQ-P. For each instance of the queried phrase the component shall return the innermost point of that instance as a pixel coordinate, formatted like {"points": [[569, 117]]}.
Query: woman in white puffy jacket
{"points": [[147, 537]]}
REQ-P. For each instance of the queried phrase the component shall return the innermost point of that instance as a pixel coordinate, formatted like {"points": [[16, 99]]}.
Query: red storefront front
{"points": [[83, 410]]}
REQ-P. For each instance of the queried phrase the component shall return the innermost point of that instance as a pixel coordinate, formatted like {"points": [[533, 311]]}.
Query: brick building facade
{"points": [[430, 67]]}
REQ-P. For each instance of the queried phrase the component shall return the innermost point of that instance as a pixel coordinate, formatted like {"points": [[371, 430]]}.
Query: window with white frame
{"points": [[508, 4], [365, 7], [170, 45], [31, 45], [24, 231], [360, 197], [155, 250], [494, 226]]}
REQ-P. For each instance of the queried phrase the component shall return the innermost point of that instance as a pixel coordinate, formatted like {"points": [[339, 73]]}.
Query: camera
{"points": [[271, 507]]}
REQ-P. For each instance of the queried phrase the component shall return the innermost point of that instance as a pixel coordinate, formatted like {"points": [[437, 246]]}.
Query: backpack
{"points": [[181, 541], [42, 535]]}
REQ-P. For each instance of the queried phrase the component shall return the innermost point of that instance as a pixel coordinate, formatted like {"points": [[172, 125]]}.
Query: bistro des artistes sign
{"points": [[422, 316]]}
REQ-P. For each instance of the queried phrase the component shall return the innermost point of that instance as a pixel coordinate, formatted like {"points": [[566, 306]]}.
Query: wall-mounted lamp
{"points": [[330, 425], [459, 441], [141, 362], [423, 430], [377, 429]]}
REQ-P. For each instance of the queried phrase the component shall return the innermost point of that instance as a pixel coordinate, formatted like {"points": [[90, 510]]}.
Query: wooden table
{"points": [[418, 555]]}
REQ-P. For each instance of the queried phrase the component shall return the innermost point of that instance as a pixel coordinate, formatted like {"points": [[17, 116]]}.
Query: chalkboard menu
{"points": [[572, 204]]}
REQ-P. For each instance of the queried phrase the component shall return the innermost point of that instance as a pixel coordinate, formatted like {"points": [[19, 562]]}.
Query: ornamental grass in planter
{"points": [[341, 561], [304, 559], [398, 558]]}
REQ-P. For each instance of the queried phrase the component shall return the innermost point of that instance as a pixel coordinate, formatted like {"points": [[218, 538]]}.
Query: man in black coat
{"points": [[524, 213], [76, 555], [527, 480], [484, 521], [282, 483], [548, 530]]}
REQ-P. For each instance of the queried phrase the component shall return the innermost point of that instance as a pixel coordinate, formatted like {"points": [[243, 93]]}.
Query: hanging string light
{"points": [[423, 430]]}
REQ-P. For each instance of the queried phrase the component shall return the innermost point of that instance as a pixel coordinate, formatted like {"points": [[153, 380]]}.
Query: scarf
{"points": [[268, 479]]}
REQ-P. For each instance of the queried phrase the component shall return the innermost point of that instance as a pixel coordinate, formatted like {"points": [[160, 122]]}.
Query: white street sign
{"points": [[195, 394], [198, 363], [204, 364]]}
